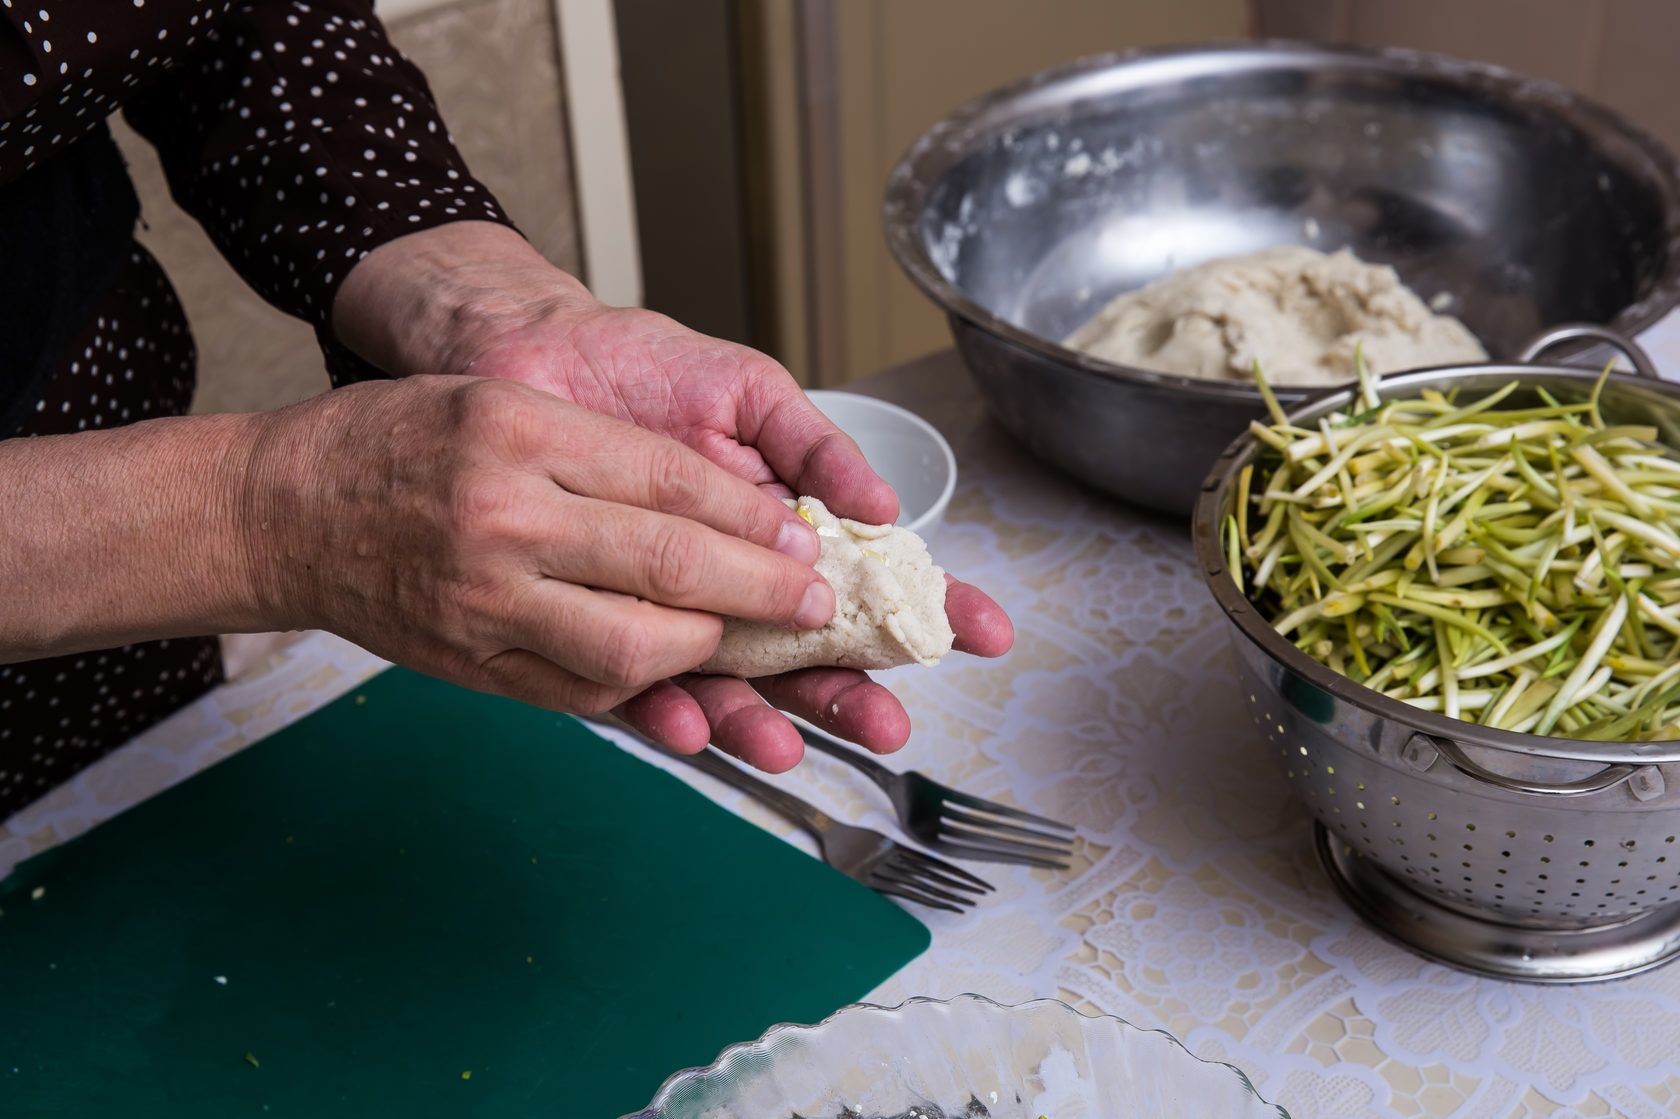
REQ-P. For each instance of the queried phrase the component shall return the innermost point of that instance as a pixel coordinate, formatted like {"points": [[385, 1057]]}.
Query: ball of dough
{"points": [[889, 606], [1300, 313]]}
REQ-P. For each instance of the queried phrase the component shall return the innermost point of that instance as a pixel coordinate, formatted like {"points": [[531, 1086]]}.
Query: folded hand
{"points": [[514, 317]]}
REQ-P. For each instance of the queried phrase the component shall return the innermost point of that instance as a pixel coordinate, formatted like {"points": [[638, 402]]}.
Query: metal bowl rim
{"points": [[1241, 613], [955, 136]]}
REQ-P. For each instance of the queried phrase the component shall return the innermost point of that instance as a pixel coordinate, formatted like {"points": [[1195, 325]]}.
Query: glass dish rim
{"points": [[745, 1048]]}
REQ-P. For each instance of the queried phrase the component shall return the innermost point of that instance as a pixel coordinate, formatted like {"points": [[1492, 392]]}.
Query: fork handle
{"points": [[803, 813], [871, 768], [710, 761]]}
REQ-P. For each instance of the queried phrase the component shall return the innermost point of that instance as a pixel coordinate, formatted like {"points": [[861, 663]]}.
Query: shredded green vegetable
{"points": [[1518, 567]]}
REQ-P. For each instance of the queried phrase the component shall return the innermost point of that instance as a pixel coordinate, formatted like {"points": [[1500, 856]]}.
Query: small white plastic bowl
{"points": [[904, 449]]}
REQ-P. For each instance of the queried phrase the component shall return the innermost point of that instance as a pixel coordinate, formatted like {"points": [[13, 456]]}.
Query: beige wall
{"points": [[777, 206], [1621, 52], [492, 65], [902, 64]]}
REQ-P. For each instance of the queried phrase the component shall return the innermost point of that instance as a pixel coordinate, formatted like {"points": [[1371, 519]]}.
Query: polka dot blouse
{"points": [[293, 130], [301, 140]]}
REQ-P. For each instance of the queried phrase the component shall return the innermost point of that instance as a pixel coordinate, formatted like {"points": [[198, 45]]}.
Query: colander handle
{"points": [[1607, 778], [1567, 332]]}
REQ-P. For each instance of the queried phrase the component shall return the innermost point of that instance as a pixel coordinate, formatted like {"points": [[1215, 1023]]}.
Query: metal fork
{"points": [[879, 862], [957, 823]]}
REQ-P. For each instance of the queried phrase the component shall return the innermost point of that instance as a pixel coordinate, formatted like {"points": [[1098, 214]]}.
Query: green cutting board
{"points": [[413, 884]]}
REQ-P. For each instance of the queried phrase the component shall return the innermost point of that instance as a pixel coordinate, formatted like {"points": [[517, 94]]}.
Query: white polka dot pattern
{"points": [[133, 359], [293, 129]]}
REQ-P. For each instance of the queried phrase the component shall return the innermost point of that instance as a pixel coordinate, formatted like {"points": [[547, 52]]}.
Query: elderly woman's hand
{"points": [[507, 540], [475, 298]]}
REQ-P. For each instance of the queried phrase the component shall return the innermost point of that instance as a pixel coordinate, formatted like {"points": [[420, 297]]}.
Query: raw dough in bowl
{"points": [[1297, 311], [889, 606]]}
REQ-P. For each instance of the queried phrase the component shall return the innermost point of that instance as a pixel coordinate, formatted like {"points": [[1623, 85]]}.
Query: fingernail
{"points": [[798, 540], [817, 607]]}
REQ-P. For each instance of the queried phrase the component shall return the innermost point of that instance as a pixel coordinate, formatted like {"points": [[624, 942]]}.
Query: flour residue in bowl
{"points": [[1300, 313]]}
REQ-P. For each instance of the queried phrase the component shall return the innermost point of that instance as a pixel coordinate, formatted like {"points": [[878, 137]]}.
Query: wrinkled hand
{"points": [[501, 538], [510, 315]]}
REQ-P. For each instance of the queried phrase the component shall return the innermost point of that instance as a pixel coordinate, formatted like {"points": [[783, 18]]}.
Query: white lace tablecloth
{"points": [[1195, 903]]}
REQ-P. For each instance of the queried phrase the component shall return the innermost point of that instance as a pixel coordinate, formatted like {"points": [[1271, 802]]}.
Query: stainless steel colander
{"points": [[1511, 854]]}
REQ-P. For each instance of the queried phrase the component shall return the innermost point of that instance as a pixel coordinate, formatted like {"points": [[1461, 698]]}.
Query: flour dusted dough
{"points": [[889, 606], [1297, 311]]}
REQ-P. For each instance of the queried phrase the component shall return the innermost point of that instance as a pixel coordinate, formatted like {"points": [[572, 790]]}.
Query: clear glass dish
{"points": [[969, 1057]]}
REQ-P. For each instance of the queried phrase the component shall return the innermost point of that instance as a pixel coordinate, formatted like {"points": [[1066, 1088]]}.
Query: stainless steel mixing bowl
{"points": [[1025, 211], [1511, 854]]}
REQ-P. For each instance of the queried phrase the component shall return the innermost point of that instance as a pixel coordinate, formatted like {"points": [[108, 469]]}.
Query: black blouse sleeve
{"points": [[291, 129], [302, 140]]}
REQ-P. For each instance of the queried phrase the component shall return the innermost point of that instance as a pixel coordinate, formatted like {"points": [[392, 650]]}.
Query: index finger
{"points": [[615, 461], [810, 454], [675, 562]]}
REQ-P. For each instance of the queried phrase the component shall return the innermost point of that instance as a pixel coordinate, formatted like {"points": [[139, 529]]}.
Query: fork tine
{"points": [[908, 878], [1001, 851], [1009, 831], [956, 874], [944, 872], [892, 889], [932, 891], [968, 800]]}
